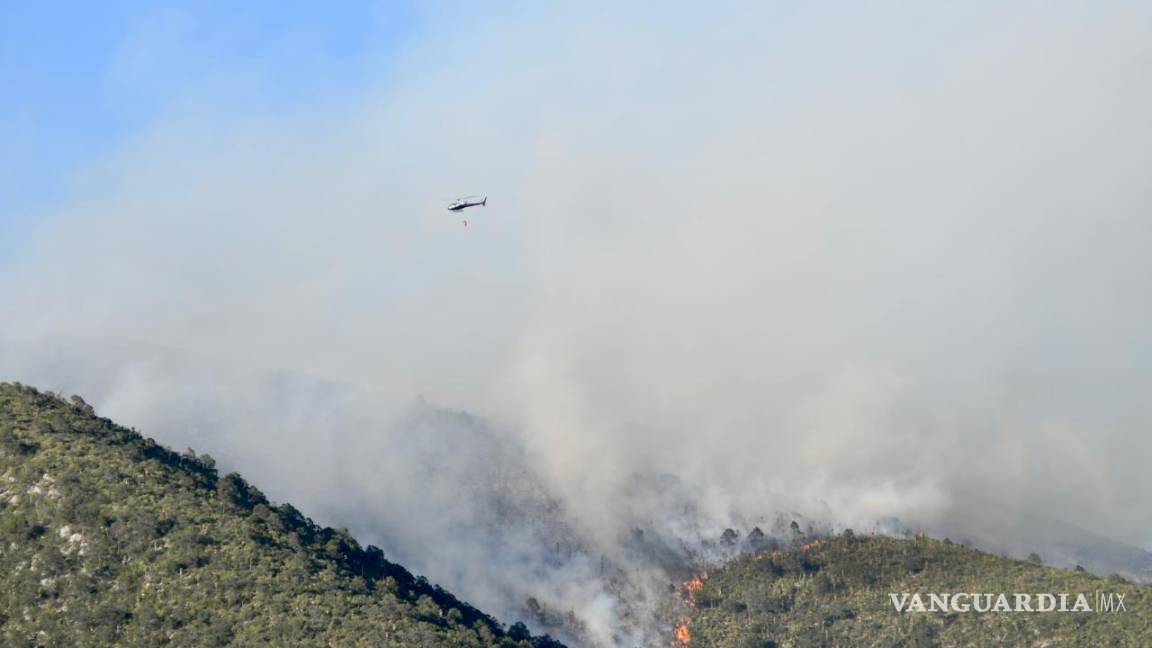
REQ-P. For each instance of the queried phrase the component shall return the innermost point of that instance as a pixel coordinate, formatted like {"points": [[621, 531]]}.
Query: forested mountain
{"points": [[838, 592], [108, 538]]}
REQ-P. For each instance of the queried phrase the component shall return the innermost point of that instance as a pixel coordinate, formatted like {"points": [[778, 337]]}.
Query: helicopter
{"points": [[461, 204]]}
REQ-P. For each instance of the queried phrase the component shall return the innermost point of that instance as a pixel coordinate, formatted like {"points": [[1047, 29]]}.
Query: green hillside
{"points": [[835, 592], [108, 538]]}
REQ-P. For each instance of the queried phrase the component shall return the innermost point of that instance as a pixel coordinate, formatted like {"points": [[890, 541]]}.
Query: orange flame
{"points": [[693, 586], [812, 545], [683, 636]]}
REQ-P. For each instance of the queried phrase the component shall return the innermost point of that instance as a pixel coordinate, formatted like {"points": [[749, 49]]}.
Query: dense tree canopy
{"points": [[107, 537], [836, 592]]}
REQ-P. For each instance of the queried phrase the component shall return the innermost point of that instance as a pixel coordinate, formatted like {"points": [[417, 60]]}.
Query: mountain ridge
{"points": [[838, 591], [109, 535]]}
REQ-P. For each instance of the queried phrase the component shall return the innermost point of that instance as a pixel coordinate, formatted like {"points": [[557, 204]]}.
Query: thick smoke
{"points": [[842, 266]]}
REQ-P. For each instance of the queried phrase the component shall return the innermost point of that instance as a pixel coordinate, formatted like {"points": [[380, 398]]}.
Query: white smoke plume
{"points": [[844, 264]]}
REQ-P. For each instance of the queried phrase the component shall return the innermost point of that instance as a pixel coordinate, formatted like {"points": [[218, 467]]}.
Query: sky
{"points": [[849, 261], [79, 80]]}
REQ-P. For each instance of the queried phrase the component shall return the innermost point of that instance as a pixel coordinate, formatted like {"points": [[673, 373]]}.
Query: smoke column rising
{"points": [[851, 264]]}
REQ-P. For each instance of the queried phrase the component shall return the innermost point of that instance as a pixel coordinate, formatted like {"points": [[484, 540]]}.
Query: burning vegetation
{"points": [[693, 586], [834, 590], [815, 544]]}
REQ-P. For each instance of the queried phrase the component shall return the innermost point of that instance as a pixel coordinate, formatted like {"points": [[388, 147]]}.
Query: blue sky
{"points": [[79, 79]]}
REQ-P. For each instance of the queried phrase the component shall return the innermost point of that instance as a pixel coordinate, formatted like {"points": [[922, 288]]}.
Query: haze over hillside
{"points": [[111, 539], [864, 266]]}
